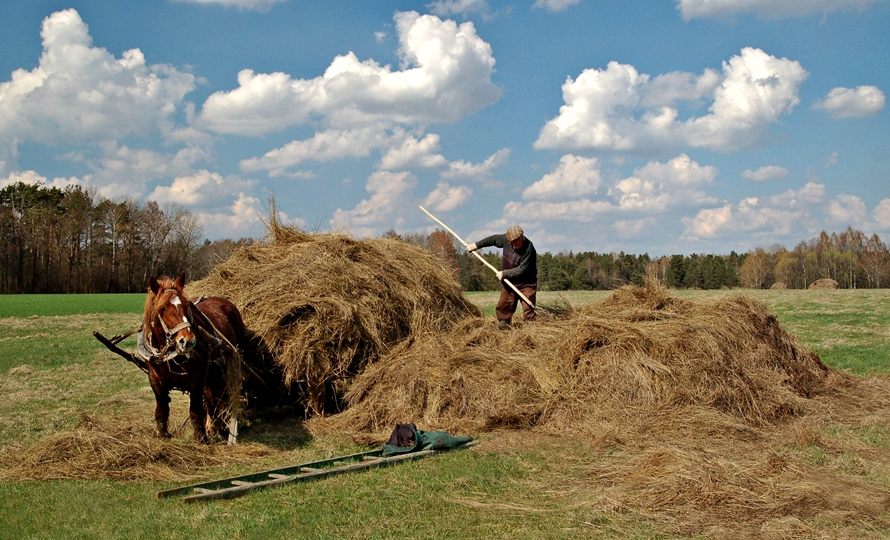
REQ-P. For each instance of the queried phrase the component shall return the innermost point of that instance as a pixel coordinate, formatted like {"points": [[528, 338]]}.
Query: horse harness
{"points": [[169, 355]]}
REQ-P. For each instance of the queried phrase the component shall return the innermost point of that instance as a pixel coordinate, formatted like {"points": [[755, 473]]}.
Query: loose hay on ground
{"points": [[119, 450]]}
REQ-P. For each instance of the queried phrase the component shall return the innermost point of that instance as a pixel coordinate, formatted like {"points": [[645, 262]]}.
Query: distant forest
{"points": [[74, 241]]}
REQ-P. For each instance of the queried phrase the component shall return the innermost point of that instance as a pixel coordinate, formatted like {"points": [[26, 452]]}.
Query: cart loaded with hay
{"points": [[318, 310]]}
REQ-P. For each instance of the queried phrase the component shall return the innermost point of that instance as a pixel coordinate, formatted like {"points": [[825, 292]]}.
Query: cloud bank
{"points": [[619, 109]]}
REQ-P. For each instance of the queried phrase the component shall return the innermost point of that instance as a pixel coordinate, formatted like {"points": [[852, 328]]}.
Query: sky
{"points": [[661, 127]]}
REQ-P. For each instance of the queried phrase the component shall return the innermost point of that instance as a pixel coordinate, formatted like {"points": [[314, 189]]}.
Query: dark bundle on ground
{"points": [[119, 450], [327, 305], [604, 368]]}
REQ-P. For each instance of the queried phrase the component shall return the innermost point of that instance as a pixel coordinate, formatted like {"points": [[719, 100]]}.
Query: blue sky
{"points": [[679, 126]]}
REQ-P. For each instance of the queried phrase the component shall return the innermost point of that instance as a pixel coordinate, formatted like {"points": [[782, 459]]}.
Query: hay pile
{"points": [[325, 306], [826, 283], [638, 353], [702, 415], [119, 450]]}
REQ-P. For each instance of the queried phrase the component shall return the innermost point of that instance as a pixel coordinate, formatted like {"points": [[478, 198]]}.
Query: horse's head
{"points": [[166, 318]]}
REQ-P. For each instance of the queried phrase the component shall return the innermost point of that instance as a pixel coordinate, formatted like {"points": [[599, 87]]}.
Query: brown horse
{"points": [[192, 347]]}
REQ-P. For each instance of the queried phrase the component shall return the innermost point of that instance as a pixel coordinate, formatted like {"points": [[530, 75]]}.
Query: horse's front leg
{"points": [[162, 404], [162, 414], [198, 414]]}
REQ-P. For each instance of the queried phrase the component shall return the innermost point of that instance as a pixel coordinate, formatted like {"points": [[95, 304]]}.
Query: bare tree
{"points": [[875, 261], [756, 270]]}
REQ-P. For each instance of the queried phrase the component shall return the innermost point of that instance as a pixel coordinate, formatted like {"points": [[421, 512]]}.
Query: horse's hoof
{"points": [[164, 435]]}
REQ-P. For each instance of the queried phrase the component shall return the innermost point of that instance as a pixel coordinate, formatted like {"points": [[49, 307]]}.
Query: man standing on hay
{"points": [[519, 264]]}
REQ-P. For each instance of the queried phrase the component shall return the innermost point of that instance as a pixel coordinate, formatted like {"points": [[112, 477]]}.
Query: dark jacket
{"points": [[520, 266]]}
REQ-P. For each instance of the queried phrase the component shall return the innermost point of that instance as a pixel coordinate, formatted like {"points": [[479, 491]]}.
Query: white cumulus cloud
{"points": [[768, 172], [445, 74], [413, 153], [660, 186], [242, 219], [847, 210], [464, 169], [654, 188], [201, 188], [389, 195], [619, 109], [81, 93], [324, 146], [776, 215], [881, 215], [860, 102], [581, 210], [631, 228], [446, 198], [574, 177]]}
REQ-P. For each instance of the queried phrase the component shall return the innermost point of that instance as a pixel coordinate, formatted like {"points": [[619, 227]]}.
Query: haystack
{"points": [[825, 283], [327, 305], [638, 354], [779, 285]]}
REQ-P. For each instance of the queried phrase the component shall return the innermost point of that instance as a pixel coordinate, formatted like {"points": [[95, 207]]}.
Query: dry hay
{"points": [[826, 283], [637, 352], [779, 285], [119, 450], [709, 411], [327, 305]]}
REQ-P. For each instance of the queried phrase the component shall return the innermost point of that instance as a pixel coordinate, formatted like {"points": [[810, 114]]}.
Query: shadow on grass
{"points": [[276, 427]]}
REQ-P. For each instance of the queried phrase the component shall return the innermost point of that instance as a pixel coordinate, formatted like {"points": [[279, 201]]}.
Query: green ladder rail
{"points": [[228, 488]]}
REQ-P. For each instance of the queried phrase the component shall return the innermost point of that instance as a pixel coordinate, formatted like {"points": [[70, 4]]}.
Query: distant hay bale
{"points": [[637, 352], [328, 305], [779, 285], [826, 283]]}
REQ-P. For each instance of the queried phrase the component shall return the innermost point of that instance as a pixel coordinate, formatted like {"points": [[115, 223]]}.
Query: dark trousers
{"points": [[508, 300]]}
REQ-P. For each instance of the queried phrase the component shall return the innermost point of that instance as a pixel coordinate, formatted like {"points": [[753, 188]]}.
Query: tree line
{"points": [[72, 240], [851, 258]]}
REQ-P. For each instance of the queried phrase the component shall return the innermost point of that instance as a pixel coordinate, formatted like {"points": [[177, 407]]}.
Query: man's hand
{"points": [[500, 275], [471, 247]]}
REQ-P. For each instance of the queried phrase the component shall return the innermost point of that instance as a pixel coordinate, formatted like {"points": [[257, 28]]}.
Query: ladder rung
{"points": [[275, 476], [241, 483], [309, 469]]}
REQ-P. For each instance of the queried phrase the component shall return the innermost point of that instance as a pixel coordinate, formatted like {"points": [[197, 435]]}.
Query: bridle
{"points": [[170, 332], [169, 352]]}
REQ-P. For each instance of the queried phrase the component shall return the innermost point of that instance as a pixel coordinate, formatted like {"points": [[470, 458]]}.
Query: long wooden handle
{"points": [[481, 258]]}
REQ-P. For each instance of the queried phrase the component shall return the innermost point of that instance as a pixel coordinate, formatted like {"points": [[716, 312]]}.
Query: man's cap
{"points": [[513, 233]]}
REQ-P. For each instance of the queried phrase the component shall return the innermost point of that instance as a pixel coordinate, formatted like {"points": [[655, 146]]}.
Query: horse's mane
{"points": [[152, 303]]}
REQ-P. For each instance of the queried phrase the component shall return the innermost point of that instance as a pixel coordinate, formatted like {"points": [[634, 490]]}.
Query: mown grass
{"points": [[515, 485]]}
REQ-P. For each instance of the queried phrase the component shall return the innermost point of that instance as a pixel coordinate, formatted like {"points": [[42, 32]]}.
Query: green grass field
{"points": [[54, 305], [515, 485]]}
